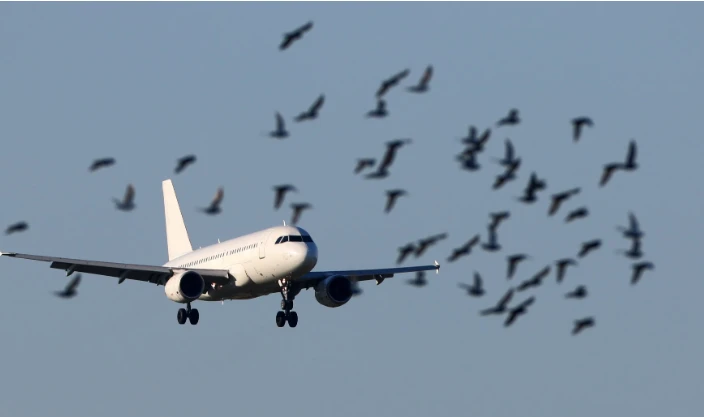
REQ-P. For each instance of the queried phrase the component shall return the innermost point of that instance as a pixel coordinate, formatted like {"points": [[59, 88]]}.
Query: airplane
{"points": [[275, 260]]}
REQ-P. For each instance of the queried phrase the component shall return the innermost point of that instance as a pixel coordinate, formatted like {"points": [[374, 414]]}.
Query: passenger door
{"points": [[262, 244]]}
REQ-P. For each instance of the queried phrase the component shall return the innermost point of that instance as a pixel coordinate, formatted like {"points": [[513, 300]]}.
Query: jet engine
{"points": [[333, 291], [185, 287]]}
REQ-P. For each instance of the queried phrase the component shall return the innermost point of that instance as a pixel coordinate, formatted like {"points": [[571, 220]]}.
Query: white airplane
{"points": [[276, 260]]}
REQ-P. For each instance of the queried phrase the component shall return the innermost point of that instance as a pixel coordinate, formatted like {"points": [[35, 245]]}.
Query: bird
{"points": [[280, 132], [312, 112], [298, 208], [561, 266], [294, 35], [363, 163], [214, 207], [419, 280], [464, 250], [476, 289], [509, 155], [609, 170], [127, 202], [519, 310], [578, 213], [536, 280], [16, 228], [380, 110], [101, 163], [500, 306], [508, 175], [474, 143], [534, 184], [638, 269], [468, 158], [492, 245], [404, 251], [422, 85], [631, 163], [578, 293], [561, 197], [633, 231], [391, 197], [577, 124], [424, 244], [513, 261], [497, 218], [183, 162], [391, 148], [390, 82], [588, 247], [70, 290], [281, 191], [582, 324], [635, 251], [510, 119]]}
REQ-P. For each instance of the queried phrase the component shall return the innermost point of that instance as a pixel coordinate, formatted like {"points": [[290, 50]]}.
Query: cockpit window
{"points": [[295, 238], [285, 239], [278, 240], [307, 238]]}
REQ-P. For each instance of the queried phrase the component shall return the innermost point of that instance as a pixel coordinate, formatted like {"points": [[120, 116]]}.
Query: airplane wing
{"points": [[312, 278], [147, 273]]}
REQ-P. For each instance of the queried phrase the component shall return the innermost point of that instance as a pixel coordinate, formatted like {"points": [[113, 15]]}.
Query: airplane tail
{"points": [[177, 239]]}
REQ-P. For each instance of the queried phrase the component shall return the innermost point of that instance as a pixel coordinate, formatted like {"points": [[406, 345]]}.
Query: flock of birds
{"points": [[475, 144]]}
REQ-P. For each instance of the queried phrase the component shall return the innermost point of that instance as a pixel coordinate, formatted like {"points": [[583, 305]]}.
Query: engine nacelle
{"points": [[185, 287], [333, 291]]}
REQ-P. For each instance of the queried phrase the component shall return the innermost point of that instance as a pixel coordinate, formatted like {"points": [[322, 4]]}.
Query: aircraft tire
{"points": [[182, 316]]}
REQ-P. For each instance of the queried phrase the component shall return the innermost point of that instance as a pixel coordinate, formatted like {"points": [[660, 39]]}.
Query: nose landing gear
{"points": [[287, 315], [189, 314]]}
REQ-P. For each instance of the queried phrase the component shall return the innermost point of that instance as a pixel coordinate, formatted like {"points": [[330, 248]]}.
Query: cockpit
{"points": [[294, 238]]}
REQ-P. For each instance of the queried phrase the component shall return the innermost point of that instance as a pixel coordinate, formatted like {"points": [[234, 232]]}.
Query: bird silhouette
{"points": [[424, 244], [127, 203], [578, 293], [16, 228], [390, 82], [578, 213], [577, 124], [608, 172], [589, 246], [419, 280], [633, 231], [582, 324], [389, 156], [508, 175], [629, 165], [312, 112], [214, 207], [391, 197], [561, 266], [534, 185], [509, 155], [638, 269], [281, 191], [476, 289], [474, 143], [501, 305], [468, 160], [497, 218], [404, 251], [463, 250], [280, 132], [422, 85], [536, 280], [379, 111], [518, 311], [561, 197], [513, 261], [295, 35], [101, 163], [70, 290], [635, 251], [510, 120], [363, 163], [492, 244], [298, 209], [184, 162]]}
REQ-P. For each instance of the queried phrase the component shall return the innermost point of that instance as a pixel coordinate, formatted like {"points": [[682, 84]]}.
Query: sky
{"points": [[149, 83]]}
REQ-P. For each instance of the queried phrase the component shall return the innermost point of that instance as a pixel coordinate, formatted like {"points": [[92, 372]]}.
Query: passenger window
{"points": [[295, 238]]}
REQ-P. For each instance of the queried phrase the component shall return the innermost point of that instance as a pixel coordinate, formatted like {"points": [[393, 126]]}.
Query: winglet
{"points": [[437, 267]]}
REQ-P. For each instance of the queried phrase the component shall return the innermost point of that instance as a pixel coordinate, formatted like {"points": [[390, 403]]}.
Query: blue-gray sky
{"points": [[148, 83]]}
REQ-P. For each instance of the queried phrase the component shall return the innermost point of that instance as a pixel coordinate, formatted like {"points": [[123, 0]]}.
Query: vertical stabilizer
{"points": [[177, 239]]}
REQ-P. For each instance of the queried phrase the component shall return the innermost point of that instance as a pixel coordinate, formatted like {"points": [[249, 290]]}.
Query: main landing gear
{"points": [[286, 305], [188, 313]]}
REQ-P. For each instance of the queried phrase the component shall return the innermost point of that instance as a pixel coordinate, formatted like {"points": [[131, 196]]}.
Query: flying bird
{"points": [[16, 228], [476, 289], [70, 290], [427, 242], [501, 305], [510, 119], [629, 165], [363, 163], [635, 251], [404, 251], [513, 261], [422, 85], [578, 293], [633, 231], [184, 162], [577, 124], [536, 280], [492, 245], [468, 158], [312, 112], [497, 218], [561, 197], [474, 143], [298, 208], [535, 184], [588, 247], [214, 207], [509, 155], [101, 163], [295, 35], [127, 202], [380, 110], [582, 324], [391, 148], [561, 266], [518, 311], [391, 197], [508, 175], [419, 280], [638, 269], [463, 250], [281, 191], [608, 172], [280, 132], [578, 213], [390, 82]]}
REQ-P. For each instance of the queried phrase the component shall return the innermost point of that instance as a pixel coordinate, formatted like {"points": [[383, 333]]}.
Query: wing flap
{"points": [[311, 278]]}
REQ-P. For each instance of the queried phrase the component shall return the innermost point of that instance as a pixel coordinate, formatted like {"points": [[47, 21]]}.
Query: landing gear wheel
{"points": [[292, 319], [280, 319], [182, 316], [193, 316]]}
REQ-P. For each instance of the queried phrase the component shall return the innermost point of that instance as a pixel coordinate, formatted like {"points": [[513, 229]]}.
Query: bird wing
{"points": [[427, 75], [318, 104], [506, 298], [631, 155], [129, 193], [280, 124], [633, 221], [477, 280], [74, 283], [312, 278], [305, 28], [218, 197]]}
